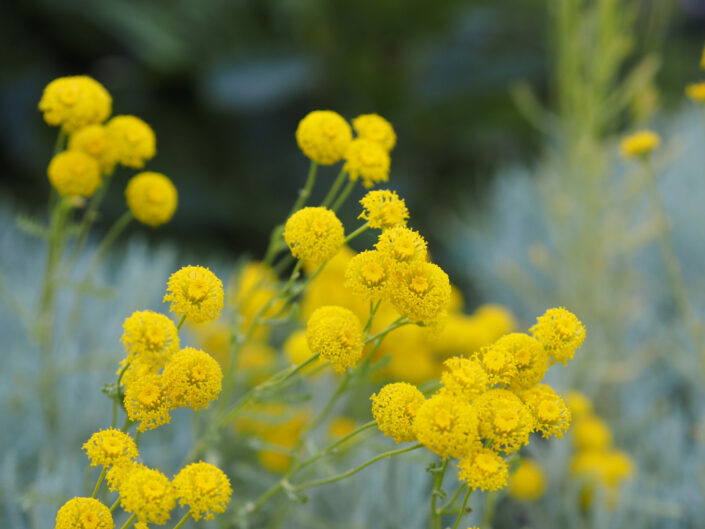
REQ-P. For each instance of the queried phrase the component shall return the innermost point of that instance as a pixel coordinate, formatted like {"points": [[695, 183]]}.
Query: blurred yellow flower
{"points": [[696, 92], [133, 140], [374, 127], [74, 102], [591, 434], [368, 160], [341, 426], [74, 173], [578, 404], [323, 136], [639, 144], [152, 198], [93, 140], [528, 482]]}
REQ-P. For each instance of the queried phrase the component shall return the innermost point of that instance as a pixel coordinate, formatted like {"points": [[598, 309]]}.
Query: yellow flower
{"points": [[204, 488], [578, 404], [498, 363], [152, 198], [696, 92], [416, 365], [196, 292], [134, 140], [193, 378], [384, 209], [74, 173], [639, 144], [336, 333], [109, 447], [504, 420], [93, 140], [528, 482], [420, 292], [496, 319], [367, 275], [74, 102], [150, 338], [484, 470], [529, 357], [296, 347], [84, 513], [368, 160], [147, 493], [560, 332], [255, 285], [135, 370], [374, 127], [402, 246], [323, 136], [147, 401], [464, 377], [341, 426], [118, 472], [447, 426], [551, 414], [609, 468], [591, 433], [395, 408], [314, 234]]}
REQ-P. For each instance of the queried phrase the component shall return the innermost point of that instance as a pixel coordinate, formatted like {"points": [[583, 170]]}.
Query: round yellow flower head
{"points": [[484, 470], [94, 141], [109, 447], [133, 139], [150, 338], [464, 377], [193, 378], [528, 482], [336, 333], [447, 425], [152, 198], [420, 292], [560, 332], [498, 363], [323, 136], [149, 494], [551, 414], [74, 102], [374, 127], [74, 173], [84, 513], [384, 209], [402, 246], [314, 234], [204, 488], [578, 404], [196, 292], [147, 401], [118, 472], [394, 408], [503, 419], [639, 144], [609, 468], [591, 433], [528, 356], [368, 160], [696, 92], [367, 275]]}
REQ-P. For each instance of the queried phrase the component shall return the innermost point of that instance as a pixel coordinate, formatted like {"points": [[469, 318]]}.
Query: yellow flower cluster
{"points": [[110, 447], [147, 401], [192, 378], [74, 102], [133, 140], [639, 144], [195, 292], [552, 417], [84, 513], [150, 338], [74, 173], [374, 127], [94, 141], [324, 136], [560, 332], [367, 160], [484, 470], [250, 290], [314, 234], [152, 198], [395, 408], [447, 425], [383, 209], [335, 333], [696, 91], [204, 488], [148, 494]]}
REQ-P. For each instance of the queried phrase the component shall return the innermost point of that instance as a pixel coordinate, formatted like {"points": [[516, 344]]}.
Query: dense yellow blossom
{"points": [[152, 198], [368, 160], [591, 434], [504, 420], [196, 292], [133, 371], [420, 292], [93, 140], [109, 447], [639, 144], [402, 246], [383, 209], [133, 139], [696, 92], [484, 470], [323, 136], [447, 425], [118, 472], [335, 333], [193, 378], [147, 493], [498, 363], [74, 102], [464, 377], [84, 513], [374, 127], [394, 408], [560, 332], [609, 468], [367, 275], [578, 404], [204, 488], [74, 173], [150, 338], [147, 401], [550, 413], [528, 482], [314, 234], [528, 356]]}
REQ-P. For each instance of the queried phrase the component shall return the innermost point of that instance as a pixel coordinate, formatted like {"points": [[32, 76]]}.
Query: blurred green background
{"points": [[225, 82]]}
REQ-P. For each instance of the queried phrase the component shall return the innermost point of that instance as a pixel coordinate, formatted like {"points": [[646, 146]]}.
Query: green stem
{"points": [[373, 310], [129, 521], [331, 447], [399, 322], [181, 322], [439, 474], [488, 511], [116, 398], [183, 520], [357, 232], [338, 477], [306, 191], [323, 414], [344, 195], [99, 482], [60, 144], [88, 218], [137, 438], [446, 508], [461, 513], [115, 504], [107, 242], [334, 189]]}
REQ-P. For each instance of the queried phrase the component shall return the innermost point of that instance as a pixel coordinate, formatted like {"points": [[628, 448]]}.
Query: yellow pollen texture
{"points": [[548, 411], [419, 284], [149, 395], [373, 273], [506, 420], [487, 463], [443, 419], [89, 520], [494, 360], [153, 489], [197, 290]]}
